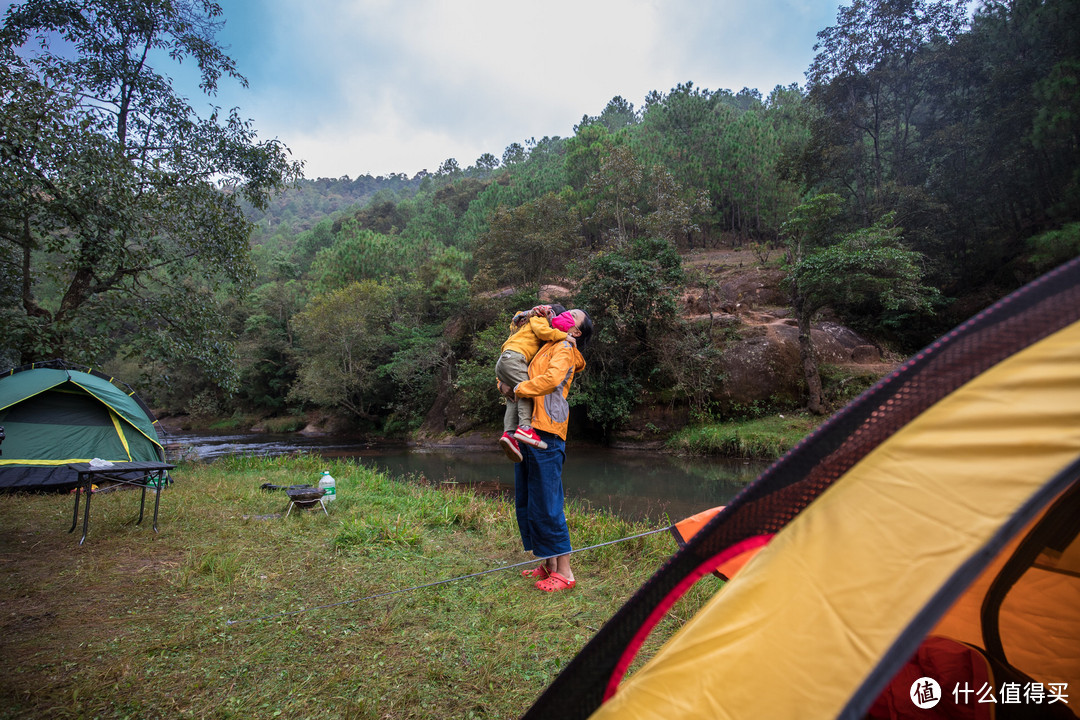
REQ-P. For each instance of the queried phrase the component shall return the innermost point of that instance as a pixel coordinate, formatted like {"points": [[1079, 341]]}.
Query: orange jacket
{"points": [[530, 336], [550, 375]]}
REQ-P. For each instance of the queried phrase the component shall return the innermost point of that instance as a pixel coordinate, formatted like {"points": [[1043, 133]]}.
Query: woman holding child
{"points": [[538, 477]]}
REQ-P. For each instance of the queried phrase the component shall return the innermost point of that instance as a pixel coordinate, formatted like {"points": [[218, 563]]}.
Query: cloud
{"points": [[356, 86], [381, 86]]}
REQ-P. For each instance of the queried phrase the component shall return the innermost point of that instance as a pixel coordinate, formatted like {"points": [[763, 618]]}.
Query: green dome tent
{"points": [[55, 413]]}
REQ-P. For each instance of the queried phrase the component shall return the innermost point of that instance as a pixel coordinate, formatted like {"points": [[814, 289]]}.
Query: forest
{"points": [[929, 165]]}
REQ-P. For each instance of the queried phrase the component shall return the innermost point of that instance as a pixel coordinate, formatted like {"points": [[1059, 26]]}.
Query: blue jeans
{"points": [[538, 498]]}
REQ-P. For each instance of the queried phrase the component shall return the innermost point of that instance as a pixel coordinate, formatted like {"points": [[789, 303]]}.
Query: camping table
{"points": [[138, 474]]}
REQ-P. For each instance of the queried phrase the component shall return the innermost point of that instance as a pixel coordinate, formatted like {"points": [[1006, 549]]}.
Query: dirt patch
{"points": [[720, 258], [76, 601]]}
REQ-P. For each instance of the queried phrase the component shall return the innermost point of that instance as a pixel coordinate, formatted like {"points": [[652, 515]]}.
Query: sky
{"points": [[357, 87]]}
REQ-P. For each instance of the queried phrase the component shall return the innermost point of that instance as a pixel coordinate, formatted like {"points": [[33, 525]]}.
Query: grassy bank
{"points": [[764, 438], [134, 625]]}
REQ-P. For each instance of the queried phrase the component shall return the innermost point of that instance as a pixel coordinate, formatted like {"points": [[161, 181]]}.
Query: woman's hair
{"points": [[586, 331]]}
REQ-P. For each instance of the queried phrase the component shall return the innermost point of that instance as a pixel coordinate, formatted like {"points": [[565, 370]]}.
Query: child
{"points": [[529, 331]]}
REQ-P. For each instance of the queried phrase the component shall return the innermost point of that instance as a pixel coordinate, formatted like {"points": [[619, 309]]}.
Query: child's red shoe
{"points": [[529, 437], [510, 447]]}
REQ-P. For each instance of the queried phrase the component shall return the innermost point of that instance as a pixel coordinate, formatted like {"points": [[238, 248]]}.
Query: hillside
{"points": [[743, 305]]}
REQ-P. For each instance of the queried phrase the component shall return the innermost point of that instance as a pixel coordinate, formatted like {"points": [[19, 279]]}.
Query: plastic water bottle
{"points": [[327, 483]]}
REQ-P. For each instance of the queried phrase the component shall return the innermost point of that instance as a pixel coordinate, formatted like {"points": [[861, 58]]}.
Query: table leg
{"points": [[75, 516], [157, 496], [86, 512], [142, 500]]}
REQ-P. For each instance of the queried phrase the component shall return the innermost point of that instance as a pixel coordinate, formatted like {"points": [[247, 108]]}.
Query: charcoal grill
{"points": [[305, 497]]}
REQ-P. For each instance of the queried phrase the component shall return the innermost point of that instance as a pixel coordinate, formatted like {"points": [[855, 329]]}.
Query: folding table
{"points": [[139, 474]]}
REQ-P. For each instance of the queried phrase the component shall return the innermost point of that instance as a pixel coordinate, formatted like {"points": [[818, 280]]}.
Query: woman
{"points": [[538, 477]]}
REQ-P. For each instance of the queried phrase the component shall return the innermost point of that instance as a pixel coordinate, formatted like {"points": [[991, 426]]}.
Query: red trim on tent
{"points": [[703, 569]]}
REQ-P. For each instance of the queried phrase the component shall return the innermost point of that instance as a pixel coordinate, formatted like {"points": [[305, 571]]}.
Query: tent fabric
{"points": [[837, 583], [952, 663], [56, 415], [878, 522], [1023, 605]]}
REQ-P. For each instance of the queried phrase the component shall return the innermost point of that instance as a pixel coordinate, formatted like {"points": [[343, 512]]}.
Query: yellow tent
{"points": [[927, 531]]}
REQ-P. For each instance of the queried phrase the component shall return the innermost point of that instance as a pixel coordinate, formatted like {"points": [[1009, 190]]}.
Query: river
{"points": [[632, 484]]}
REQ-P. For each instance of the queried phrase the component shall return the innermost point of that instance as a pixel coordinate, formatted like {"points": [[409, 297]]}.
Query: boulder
{"points": [[762, 367], [765, 366], [865, 355]]}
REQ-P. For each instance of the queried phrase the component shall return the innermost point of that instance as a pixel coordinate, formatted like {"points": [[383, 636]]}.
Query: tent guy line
{"points": [[437, 582]]}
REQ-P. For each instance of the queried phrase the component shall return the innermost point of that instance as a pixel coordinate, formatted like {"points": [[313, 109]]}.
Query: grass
{"points": [[286, 424], [135, 624], [763, 438]]}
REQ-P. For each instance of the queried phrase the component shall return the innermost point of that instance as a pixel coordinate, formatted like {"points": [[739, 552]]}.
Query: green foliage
{"points": [[543, 171], [421, 358], [868, 274], [529, 244], [344, 339], [765, 438], [965, 129], [728, 150], [475, 377], [1054, 247], [616, 115], [383, 216], [631, 291], [266, 353], [585, 152], [631, 294], [359, 254], [111, 179], [841, 385], [441, 276], [615, 189], [371, 350], [609, 398], [692, 362], [301, 206]]}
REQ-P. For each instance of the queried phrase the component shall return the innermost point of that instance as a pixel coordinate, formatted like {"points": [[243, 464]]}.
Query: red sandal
{"points": [[555, 582], [540, 573]]}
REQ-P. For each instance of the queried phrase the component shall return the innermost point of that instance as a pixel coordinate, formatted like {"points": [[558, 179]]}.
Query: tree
{"points": [[867, 76], [110, 181], [632, 294], [868, 269], [513, 154], [344, 339], [618, 114], [622, 199], [449, 168], [486, 163], [356, 255], [616, 187], [970, 136], [529, 245], [266, 350]]}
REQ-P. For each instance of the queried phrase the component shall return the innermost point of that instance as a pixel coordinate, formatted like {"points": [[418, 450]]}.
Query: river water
{"points": [[634, 485]]}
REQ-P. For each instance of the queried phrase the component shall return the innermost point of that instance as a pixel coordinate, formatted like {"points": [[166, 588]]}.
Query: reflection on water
{"points": [[631, 484]]}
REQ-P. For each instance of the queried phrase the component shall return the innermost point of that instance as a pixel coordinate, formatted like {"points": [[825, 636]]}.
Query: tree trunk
{"points": [[814, 404]]}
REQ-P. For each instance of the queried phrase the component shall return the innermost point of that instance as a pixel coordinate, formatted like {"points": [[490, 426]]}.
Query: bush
{"points": [[475, 377]]}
